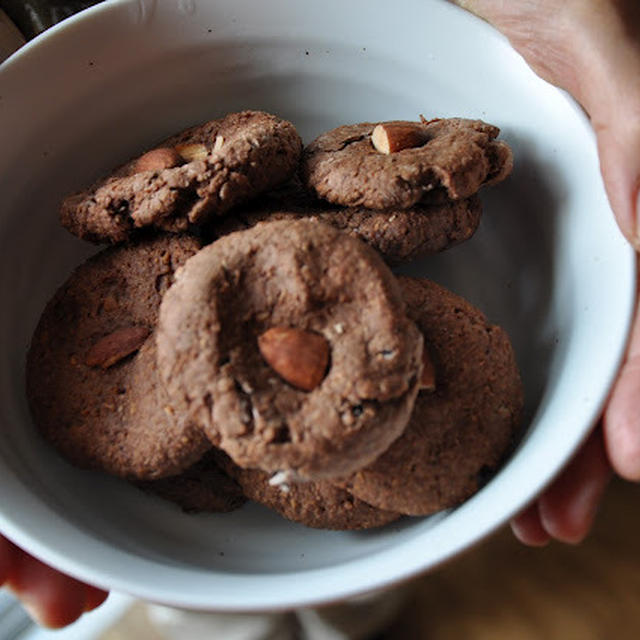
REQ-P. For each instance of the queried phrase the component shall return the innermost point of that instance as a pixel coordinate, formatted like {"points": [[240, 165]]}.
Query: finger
{"points": [[568, 507], [608, 63], [617, 127], [591, 48], [53, 599], [621, 422], [94, 597], [8, 551], [527, 527], [542, 31]]}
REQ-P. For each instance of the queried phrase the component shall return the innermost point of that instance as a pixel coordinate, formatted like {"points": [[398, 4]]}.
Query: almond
{"points": [[157, 160], [299, 357], [116, 346], [428, 377], [192, 152], [391, 137], [218, 143]]}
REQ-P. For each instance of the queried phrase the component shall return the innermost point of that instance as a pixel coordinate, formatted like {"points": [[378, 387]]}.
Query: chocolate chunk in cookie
{"points": [[319, 504], [91, 369], [202, 172], [454, 156], [460, 430], [289, 344]]}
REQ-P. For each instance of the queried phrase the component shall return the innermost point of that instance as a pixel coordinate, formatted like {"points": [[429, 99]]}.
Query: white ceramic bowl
{"points": [[548, 264]]}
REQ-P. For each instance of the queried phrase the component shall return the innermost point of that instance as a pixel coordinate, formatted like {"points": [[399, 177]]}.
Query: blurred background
{"points": [[498, 590]]}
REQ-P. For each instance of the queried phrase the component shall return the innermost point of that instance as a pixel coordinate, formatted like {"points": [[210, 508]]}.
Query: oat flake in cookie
{"points": [[452, 157], [460, 431], [91, 369], [328, 315], [202, 172]]}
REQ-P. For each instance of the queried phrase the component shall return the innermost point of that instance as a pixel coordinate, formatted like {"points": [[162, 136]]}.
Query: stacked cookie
{"points": [[283, 362], [408, 189]]}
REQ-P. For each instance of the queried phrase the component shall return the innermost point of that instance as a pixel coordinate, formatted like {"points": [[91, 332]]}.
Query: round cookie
{"points": [[456, 157], [319, 504], [203, 487], [92, 379], [459, 433], [202, 172], [399, 235], [299, 290]]}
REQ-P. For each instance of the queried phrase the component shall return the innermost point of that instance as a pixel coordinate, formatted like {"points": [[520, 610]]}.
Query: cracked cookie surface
{"points": [[458, 157], [305, 277], [460, 432], [201, 172], [93, 392]]}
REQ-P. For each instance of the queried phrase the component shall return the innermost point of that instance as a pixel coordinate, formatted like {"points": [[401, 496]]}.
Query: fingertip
{"points": [[527, 528], [8, 553], [620, 170], [622, 422], [52, 599], [568, 507], [94, 597], [624, 453]]}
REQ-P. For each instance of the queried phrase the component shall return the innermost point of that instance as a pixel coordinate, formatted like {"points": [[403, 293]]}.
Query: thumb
{"points": [[608, 64], [590, 48], [619, 150], [621, 422]]}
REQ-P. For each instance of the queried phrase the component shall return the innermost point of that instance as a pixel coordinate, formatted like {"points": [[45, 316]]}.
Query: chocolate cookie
{"points": [[202, 172], [289, 344], [91, 369], [460, 432], [398, 235], [453, 156], [320, 504], [202, 487]]}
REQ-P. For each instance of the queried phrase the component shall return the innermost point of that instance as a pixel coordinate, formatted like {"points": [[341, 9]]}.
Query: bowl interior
{"points": [[548, 264]]}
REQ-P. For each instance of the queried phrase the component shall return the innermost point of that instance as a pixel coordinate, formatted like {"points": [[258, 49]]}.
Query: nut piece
{"points": [[157, 160], [116, 346], [391, 137], [218, 143], [428, 377], [191, 152], [299, 357]]}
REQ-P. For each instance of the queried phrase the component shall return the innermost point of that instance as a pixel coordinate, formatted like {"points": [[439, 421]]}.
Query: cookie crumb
{"points": [[281, 480]]}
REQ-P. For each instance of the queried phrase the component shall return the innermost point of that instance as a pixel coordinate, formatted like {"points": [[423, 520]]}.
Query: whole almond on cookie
{"points": [[391, 137], [300, 357], [157, 160], [116, 346], [192, 151]]}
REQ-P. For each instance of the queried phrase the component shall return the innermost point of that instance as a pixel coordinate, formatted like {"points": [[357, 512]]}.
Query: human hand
{"points": [[590, 48], [51, 598]]}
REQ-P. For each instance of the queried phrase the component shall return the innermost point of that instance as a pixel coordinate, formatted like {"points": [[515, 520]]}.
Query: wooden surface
{"points": [[504, 591]]}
